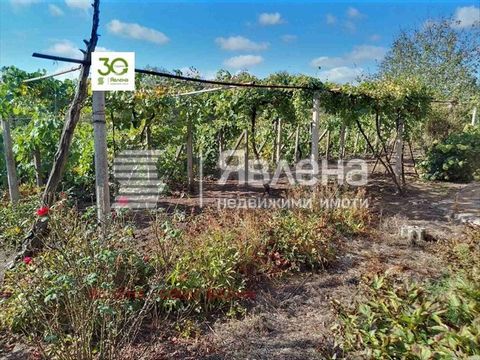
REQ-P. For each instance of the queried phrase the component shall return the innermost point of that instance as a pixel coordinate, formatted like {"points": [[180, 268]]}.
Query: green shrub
{"points": [[410, 320], [15, 220], [456, 159], [83, 297]]}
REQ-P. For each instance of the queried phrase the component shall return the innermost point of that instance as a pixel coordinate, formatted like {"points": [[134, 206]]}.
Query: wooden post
{"points": [[221, 148], [10, 163], [190, 154], [101, 157], [297, 144], [246, 157], [327, 147], [315, 125], [275, 131], [355, 144], [278, 150], [37, 164], [341, 141], [399, 151], [474, 116]]}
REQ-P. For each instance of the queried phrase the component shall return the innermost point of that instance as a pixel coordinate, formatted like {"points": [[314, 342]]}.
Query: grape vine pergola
{"points": [[348, 102]]}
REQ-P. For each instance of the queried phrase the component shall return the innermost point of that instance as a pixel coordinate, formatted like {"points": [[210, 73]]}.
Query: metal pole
{"points": [[474, 116], [10, 162], [101, 159], [315, 125]]}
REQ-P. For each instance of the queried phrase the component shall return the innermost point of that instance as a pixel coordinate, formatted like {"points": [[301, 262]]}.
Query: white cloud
{"points": [[79, 4], [55, 10], [341, 74], [359, 55], [137, 32], [270, 19], [354, 13], [289, 38], [23, 2], [68, 49], [331, 19], [350, 26], [243, 61], [240, 43], [375, 37], [466, 16], [65, 48]]}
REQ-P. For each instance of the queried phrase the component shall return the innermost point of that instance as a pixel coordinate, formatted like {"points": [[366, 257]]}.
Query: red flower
{"points": [[43, 211], [27, 260]]}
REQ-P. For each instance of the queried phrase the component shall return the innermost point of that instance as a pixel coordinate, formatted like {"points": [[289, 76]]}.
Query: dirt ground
{"points": [[291, 317]]}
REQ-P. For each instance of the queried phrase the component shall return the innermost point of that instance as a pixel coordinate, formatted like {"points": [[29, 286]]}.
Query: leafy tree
{"points": [[445, 58]]}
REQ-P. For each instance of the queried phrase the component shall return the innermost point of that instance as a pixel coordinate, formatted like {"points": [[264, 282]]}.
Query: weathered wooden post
{"points": [[341, 140], [315, 125], [10, 163], [474, 116], [245, 161], [278, 150], [399, 151], [327, 146], [190, 154], [37, 164], [297, 144], [101, 157], [221, 149]]}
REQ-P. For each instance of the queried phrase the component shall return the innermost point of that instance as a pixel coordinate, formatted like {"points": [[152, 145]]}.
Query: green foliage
{"points": [[457, 158], [442, 56], [88, 291], [16, 220], [410, 320], [83, 297]]}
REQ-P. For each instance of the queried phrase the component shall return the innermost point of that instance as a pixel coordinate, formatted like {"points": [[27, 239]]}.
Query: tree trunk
{"points": [[10, 163], [33, 241], [73, 114]]}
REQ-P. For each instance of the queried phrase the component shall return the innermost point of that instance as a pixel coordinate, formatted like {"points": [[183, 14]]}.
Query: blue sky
{"points": [[344, 38]]}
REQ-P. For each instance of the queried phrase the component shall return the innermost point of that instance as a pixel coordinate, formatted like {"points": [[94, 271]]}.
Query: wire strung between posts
{"points": [[212, 82], [181, 77], [52, 75]]}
